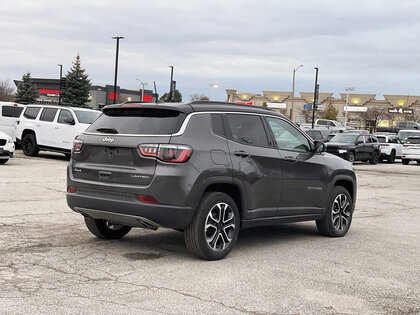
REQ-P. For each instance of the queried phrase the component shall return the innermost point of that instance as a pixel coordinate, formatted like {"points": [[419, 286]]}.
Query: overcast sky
{"points": [[246, 45]]}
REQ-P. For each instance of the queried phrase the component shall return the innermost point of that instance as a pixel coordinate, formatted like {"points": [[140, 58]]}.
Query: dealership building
{"points": [[49, 92], [359, 110]]}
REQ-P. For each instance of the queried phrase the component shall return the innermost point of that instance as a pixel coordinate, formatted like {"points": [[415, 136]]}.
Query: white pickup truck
{"points": [[52, 128], [328, 124]]}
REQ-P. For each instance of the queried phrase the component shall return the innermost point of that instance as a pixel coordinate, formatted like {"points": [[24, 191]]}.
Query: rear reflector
{"points": [[71, 189], [172, 153], [147, 199]]}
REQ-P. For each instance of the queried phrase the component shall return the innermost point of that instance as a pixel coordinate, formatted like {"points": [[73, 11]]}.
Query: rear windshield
{"points": [[85, 116], [413, 140], [406, 134], [381, 139], [145, 121]]}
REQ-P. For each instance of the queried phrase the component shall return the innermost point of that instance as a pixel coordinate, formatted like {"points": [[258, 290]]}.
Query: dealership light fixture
{"points": [[142, 88], [213, 86], [293, 90], [348, 89]]}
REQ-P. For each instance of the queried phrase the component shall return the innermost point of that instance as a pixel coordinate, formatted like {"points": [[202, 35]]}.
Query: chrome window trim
{"points": [[184, 125]]}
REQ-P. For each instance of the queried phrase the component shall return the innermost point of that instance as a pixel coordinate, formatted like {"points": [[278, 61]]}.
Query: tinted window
{"points": [[138, 121], [64, 114], [343, 138], [413, 140], [321, 122], [48, 114], [31, 112], [382, 139], [374, 140], [402, 124], [288, 137], [11, 111], [217, 124], [86, 117], [246, 129], [315, 134], [369, 140]]}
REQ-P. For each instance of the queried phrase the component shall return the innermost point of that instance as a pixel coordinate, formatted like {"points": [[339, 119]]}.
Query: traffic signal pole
{"points": [[316, 92]]}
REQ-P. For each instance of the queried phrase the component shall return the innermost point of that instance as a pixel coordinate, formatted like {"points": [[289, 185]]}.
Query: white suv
{"points": [[52, 128], [411, 150], [7, 147], [9, 115], [391, 147]]}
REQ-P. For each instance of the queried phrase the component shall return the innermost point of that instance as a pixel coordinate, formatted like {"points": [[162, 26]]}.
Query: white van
{"points": [[9, 115], [52, 128]]}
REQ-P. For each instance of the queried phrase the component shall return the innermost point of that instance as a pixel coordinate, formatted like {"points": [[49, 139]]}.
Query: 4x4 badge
{"points": [[110, 140]]}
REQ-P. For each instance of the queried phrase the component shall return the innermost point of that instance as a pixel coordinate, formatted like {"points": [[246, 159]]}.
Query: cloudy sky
{"points": [[246, 45]]}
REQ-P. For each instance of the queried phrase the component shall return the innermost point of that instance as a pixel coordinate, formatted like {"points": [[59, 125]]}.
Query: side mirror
{"points": [[319, 146], [69, 121]]}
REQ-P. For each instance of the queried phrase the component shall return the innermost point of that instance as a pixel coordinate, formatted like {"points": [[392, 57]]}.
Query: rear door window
{"points": [[246, 129], [140, 121], [31, 112], [48, 114], [11, 111]]}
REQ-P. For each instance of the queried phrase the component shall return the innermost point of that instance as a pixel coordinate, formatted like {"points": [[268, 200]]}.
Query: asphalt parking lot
{"points": [[50, 263]]}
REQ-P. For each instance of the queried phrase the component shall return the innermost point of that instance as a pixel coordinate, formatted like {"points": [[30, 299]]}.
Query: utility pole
{"points": [[315, 105], [293, 91], [61, 78], [171, 86], [116, 65]]}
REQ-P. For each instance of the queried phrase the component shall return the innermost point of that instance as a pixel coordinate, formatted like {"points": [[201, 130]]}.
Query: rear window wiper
{"points": [[107, 130]]}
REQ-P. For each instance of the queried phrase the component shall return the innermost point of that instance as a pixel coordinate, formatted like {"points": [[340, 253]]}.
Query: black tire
{"points": [[104, 229], [327, 226], [29, 145], [199, 239], [374, 159], [391, 157], [351, 157], [68, 156], [405, 161], [418, 161], [3, 161]]}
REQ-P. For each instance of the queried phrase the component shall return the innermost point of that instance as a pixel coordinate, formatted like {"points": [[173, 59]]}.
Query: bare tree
{"points": [[375, 115], [197, 97], [7, 91]]}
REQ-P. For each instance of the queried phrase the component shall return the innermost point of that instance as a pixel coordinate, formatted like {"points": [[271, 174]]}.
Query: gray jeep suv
{"points": [[207, 169]]}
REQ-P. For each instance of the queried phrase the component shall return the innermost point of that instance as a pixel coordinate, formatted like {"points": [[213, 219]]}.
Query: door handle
{"points": [[104, 174], [38, 125], [289, 158], [241, 153], [56, 127]]}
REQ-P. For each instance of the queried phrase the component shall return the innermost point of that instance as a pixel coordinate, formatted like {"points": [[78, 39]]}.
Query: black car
{"points": [[318, 134], [207, 169], [355, 147]]}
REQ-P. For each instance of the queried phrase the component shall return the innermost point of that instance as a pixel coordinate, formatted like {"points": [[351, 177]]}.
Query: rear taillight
{"points": [[172, 153], [77, 145]]}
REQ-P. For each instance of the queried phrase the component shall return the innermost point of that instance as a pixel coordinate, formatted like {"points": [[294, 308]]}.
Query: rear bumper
{"points": [[126, 209], [410, 156]]}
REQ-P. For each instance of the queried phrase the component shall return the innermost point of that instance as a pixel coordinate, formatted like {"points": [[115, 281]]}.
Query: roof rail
{"points": [[230, 104]]}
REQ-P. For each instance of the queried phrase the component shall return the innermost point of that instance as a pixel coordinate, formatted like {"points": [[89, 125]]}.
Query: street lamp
{"points": [[61, 78], [116, 65], [347, 105], [213, 86], [142, 89], [293, 91]]}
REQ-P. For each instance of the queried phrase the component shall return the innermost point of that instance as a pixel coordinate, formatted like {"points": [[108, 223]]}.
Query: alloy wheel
{"points": [[341, 212], [27, 145], [220, 226]]}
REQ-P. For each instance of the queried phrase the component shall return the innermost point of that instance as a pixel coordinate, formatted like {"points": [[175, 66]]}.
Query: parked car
{"points": [[318, 134], [205, 168], [402, 125], [9, 114], [355, 147], [52, 128], [411, 150], [391, 147], [7, 147], [404, 134], [327, 124], [331, 135]]}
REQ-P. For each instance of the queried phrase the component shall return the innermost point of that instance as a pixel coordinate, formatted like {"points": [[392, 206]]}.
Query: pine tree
{"points": [[77, 88], [330, 112], [26, 90], [166, 97]]}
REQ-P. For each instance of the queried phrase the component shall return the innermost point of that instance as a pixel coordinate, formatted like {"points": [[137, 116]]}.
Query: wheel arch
{"points": [[27, 132], [348, 183]]}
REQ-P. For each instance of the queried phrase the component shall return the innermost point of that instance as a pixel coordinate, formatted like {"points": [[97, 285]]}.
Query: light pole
{"points": [[316, 91], [116, 65], [293, 91], [142, 89], [171, 86], [61, 77], [347, 105], [213, 86]]}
